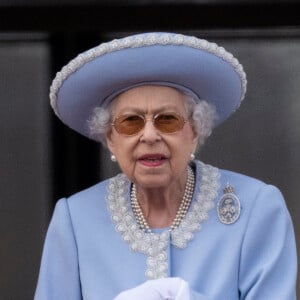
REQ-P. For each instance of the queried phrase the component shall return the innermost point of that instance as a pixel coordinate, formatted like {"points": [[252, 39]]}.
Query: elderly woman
{"points": [[168, 227]]}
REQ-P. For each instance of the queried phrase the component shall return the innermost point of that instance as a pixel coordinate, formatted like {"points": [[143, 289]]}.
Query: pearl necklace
{"points": [[183, 208]]}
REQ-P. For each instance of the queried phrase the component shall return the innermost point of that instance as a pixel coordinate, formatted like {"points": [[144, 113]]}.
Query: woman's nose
{"points": [[150, 133]]}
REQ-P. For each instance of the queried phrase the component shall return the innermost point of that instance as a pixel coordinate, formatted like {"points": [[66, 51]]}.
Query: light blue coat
{"points": [[94, 250]]}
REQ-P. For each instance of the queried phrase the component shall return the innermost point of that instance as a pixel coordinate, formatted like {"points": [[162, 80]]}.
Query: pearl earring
{"points": [[113, 158], [192, 156]]}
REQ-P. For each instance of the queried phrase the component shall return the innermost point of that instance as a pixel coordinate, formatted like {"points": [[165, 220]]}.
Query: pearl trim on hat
{"points": [[143, 40], [155, 245]]}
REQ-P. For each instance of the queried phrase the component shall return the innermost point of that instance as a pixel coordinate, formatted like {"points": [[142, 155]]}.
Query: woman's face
{"points": [[150, 158]]}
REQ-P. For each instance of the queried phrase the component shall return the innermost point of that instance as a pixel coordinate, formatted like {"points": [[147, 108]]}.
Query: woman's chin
{"points": [[152, 181]]}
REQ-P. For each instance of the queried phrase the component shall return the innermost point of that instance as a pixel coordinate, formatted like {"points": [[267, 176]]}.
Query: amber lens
{"points": [[129, 124], [168, 123], [132, 124]]}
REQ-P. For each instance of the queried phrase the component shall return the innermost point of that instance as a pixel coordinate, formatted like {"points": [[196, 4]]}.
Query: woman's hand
{"points": [[158, 289]]}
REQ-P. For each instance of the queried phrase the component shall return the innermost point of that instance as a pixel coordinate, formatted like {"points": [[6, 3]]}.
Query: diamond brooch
{"points": [[229, 207]]}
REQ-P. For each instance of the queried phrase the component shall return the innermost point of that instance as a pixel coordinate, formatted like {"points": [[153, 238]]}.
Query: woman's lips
{"points": [[152, 160]]}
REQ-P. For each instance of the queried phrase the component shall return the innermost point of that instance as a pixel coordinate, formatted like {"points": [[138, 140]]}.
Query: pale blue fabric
{"points": [[253, 259]]}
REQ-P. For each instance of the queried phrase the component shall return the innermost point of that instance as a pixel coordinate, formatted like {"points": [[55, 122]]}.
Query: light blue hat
{"points": [[192, 65]]}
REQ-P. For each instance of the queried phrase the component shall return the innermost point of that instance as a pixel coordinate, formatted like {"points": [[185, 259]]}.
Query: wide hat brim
{"points": [[193, 65]]}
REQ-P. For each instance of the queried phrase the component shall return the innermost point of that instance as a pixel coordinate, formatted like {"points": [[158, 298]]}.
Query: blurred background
{"points": [[41, 160]]}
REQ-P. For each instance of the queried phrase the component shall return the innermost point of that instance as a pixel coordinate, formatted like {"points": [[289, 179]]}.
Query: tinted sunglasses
{"points": [[131, 124]]}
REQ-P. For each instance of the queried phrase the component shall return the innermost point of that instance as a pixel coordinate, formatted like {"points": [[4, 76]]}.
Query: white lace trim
{"points": [[142, 40], [154, 245]]}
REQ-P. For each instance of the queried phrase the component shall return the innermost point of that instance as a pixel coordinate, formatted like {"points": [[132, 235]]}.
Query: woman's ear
{"points": [[195, 140], [195, 137], [109, 141]]}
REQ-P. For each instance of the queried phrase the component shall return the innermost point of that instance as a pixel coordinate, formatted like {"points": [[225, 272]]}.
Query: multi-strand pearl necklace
{"points": [[183, 208]]}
